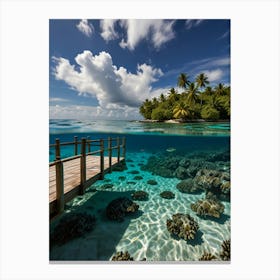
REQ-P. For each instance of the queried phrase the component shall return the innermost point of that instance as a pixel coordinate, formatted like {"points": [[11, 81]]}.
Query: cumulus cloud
{"points": [[213, 75], [108, 29], [157, 30], [113, 87], [160, 31], [85, 27], [190, 23]]}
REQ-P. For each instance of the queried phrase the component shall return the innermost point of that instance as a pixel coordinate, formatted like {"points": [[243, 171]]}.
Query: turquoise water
{"points": [[144, 235], [136, 128]]}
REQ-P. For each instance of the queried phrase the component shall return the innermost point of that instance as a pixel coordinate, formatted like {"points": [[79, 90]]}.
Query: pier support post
{"points": [[110, 153], [123, 147], [75, 145], [88, 142], [118, 145], [59, 178], [101, 159], [83, 166]]}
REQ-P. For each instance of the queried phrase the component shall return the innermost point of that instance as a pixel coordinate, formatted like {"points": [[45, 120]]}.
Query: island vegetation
{"points": [[197, 101]]}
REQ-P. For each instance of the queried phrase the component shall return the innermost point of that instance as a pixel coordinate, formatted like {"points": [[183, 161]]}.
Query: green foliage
{"points": [[146, 109], [196, 101], [161, 114], [210, 113], [183, 80], [192, 94], [181, 110], [196, 111]]}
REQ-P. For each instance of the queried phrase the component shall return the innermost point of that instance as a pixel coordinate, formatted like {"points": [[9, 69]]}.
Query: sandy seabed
{"points": [[143, 234]]}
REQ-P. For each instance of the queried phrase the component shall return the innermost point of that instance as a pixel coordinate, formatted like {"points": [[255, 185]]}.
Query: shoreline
{"points": [[178, 121]]}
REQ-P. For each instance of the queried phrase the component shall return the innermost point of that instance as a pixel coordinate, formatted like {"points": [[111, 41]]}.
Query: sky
{"points": [[105, 69]]}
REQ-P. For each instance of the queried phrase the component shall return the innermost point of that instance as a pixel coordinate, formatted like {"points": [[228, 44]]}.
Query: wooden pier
{"points": [[69, 177]]}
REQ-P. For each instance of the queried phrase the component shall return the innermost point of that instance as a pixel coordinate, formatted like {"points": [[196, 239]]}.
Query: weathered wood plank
{"points": [[72, 174]]}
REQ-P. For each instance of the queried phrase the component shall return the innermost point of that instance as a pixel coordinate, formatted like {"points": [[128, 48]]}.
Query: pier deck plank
{"points": [[72, 173]]}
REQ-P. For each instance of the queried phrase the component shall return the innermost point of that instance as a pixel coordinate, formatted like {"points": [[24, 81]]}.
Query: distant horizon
{"points": [[79, 119], [106, 68]]}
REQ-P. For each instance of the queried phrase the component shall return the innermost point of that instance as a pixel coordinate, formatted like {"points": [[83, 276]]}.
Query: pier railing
{"points": [[87, 147]]}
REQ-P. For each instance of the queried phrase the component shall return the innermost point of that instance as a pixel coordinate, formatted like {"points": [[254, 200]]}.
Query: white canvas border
{"points": [[255, 137]]}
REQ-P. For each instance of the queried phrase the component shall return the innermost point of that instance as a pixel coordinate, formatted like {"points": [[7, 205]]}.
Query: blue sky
{"points": [[105, 69]]}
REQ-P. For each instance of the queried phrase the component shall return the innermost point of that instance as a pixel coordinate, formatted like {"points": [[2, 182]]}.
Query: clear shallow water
{"points": [[136, 127], [144, 235]]}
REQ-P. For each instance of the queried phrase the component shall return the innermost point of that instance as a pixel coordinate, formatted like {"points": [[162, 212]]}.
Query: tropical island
{"points": [[197, 102]]}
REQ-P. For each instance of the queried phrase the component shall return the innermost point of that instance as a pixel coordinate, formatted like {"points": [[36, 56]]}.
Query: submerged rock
{"points": [[131, 183], [185, 162], [138, 178], [207, 257], [120, 256], [208, 207], [107, 186], [183, 226], [134, 172], [188, 186], [152, 182], [121, 166], [162, 165], [178, 166], [225, 254], [120, 207], [216, 182], [219, 156], [167, 195], [196, 165], [181, 173], [140, 195], [72, 225], [225, 187]]}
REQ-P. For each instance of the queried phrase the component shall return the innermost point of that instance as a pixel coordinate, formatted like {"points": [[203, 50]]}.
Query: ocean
{"points": [[170, 169]]}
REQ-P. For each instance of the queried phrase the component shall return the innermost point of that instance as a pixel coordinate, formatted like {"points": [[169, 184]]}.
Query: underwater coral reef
{"points": [[185, 166], [188, 186], [225, 254], [214, 181], [140, 195], [182, 225], [70, 226], [208, 207], [167, 195], [120, 207], [120, 256], [207, 257]]}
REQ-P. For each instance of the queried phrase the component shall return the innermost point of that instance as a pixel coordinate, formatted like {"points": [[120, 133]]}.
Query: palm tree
{"points": [[183, 80], [162, 98], [192, 94], [208, 91], [181, 110], [173, 96], [172, 91], [155, 102], [201, 81], [220, 89], [146, 109]]}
